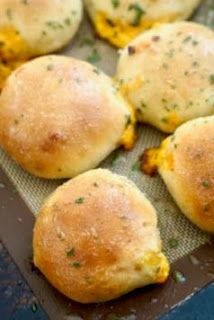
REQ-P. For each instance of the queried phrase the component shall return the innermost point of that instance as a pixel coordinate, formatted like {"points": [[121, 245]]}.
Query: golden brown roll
{"points": [[60, 116], [167, 74], [186, 163], [96, 238], [33, 27], [119, 21]]}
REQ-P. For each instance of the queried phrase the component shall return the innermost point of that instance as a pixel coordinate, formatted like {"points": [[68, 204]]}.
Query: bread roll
{"points": [[34, 27], [96, 238], [119, 21], [167, 74], [60, 116], [186, 163]]}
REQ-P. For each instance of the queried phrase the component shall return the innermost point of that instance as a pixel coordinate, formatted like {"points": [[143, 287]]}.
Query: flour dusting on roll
{"points": [[185, 161], [33, 27], [167, 74], [96, 238], [60, 116], [120, 21]]}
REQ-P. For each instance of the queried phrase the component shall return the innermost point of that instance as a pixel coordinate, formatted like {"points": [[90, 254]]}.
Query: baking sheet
{"points": [[172, 223]]}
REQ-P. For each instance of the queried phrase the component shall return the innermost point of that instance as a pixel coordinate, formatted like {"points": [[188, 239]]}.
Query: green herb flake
{"points": [[173, 243], [86, 42], [206, 207], [195, 42], [25, 2], [212, 78], [54, 25], [67, 21], [115, 157], [115, 3], [9, 13], [95, 185], [165, 120], [165, 66], [179, 277], [70, 252], [139, 13], [50, 67], [96, 70], [206, 184], [136, 166], [128, 120], [76, 264], [143, 105], [94, 57], [79, 200], [187, 39], [34, 307]]}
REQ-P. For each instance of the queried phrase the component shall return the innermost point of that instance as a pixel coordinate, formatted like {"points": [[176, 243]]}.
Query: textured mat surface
{"points": [[173, 225]]}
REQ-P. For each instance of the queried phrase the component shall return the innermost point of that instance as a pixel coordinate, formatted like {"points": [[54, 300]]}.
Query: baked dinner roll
{"points": [[120, 21], [60, 116], [186, 163], [96, 238], [34, 27], [167, 74]]}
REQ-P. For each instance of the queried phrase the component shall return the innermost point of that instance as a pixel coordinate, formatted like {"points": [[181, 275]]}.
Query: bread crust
{"points": [[190, 178], [121, 21], [44, 25], [167, 74], [60, 116], [96, 238]]}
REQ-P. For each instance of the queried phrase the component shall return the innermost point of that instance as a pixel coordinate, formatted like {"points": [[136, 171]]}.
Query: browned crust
{"points": [[94, 232]]}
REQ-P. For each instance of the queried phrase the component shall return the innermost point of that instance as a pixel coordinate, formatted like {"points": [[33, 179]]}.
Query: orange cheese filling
{"points": [[120, 33], [154, 158], [13, 52]]}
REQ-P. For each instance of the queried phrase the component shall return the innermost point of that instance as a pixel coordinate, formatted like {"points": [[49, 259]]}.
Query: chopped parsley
{"points": [[115, 3], [142, 104], [67, 21], [87, 42], [96, 70], [34, 307], [136, 166], [178, 277], [76, 264], [70, 252], [173, 243], [128, 120], [212, 78], [79, 200], [187, 39], [139, 13], [50, 67], [206, 184], [9, 13], [95, 185], [115, 157], [94, 57]]}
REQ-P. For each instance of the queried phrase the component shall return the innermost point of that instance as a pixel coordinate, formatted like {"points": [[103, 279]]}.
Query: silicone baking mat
{"points": [[173, 225], [16, 218]]}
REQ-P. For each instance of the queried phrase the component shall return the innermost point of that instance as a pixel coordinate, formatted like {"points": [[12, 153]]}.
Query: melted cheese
{"points": [[120, 33], [13, 52], [129, 136], [157, 157], [152, 261], [172, 121]]}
